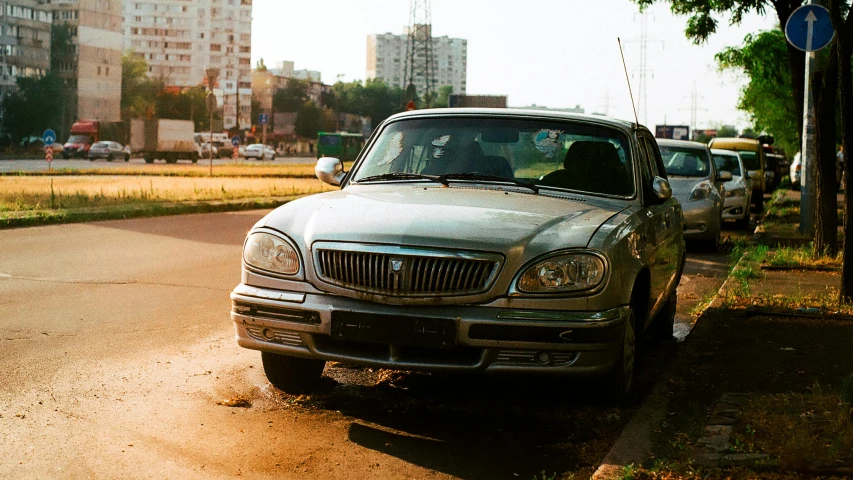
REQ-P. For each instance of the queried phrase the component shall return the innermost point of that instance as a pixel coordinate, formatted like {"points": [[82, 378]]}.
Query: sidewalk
{"points": [[763, 386]]}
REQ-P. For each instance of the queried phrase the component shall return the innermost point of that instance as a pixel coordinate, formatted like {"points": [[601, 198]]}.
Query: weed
{"points": [[629, 472], [545, 476]]}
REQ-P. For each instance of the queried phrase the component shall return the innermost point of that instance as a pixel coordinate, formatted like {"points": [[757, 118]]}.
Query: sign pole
{"points": [[807, 193], [808, 28]]}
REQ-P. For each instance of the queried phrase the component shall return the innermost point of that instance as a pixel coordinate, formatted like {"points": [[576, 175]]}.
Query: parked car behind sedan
{"points": [[738, 190], [470, 240], [753, 156], [108, 150], [258, 151], [698, 187]]}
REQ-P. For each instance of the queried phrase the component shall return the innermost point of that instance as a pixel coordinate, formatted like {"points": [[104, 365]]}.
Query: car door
{"points": [[667, 222]]}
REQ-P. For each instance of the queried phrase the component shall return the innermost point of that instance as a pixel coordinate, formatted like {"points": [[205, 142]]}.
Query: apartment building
{"points": [[181, 39], [24, 42], [386, 60], [87, 57], [287, 69]]}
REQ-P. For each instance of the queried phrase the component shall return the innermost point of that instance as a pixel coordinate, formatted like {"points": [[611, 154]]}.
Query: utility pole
{"points": [[644, 70]]}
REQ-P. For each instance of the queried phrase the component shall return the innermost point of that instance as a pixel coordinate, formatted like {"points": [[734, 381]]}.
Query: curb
{"points": [[634, 443]]}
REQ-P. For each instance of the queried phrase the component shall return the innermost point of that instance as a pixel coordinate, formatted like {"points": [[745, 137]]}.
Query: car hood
{"points": [[682, 186], [471, 218]]}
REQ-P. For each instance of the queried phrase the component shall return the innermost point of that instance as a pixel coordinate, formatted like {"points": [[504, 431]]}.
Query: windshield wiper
{"points": [[486, 177], [403, 176]]}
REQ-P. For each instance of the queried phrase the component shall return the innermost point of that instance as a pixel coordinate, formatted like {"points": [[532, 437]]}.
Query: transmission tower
{"points": [[420, 64], [643, 71], [694, 107]]}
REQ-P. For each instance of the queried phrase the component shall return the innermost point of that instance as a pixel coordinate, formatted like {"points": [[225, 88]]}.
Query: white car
{"points": [[261, 152], [795, 168], [738, 189]]}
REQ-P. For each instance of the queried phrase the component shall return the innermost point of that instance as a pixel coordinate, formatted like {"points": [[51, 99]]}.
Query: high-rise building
{"points": [[24, 42], [180, 40], [386, 61], [87, 56], [286, 69]]}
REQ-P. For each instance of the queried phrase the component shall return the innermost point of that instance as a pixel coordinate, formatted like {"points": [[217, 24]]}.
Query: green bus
{"points": [[344, 146]]}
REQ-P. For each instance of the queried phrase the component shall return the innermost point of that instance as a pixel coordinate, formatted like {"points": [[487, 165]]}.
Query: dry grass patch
{"points": [[201, 169], [802, 257], [38, 193]]}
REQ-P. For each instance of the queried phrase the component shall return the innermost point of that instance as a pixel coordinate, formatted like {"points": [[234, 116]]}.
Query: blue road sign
{"points": [[264, 119], [809, 28], [48, 137], [235, 141]]}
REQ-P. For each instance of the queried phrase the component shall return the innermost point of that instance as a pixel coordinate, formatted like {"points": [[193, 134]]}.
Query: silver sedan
{"points": [[738, 190], [698, 187], [470, 240]]}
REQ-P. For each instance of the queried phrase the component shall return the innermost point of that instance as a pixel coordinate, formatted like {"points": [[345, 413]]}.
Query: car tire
{"points": [[126, 158], [663, 326], [65, 156], [620, 380], [91, 158], [292, 374], [110, 157]]}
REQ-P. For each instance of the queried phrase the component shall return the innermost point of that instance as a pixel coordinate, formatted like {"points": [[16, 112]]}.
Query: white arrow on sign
{"points": [[810, 31]]}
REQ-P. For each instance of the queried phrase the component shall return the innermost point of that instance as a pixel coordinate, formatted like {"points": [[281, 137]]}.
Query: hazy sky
{"points": [[556, 53]]}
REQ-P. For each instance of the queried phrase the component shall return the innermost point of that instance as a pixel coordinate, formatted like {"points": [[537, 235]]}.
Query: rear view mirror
{"points": [[330, 170], [500, 135], [725, 176], [662, 189]]}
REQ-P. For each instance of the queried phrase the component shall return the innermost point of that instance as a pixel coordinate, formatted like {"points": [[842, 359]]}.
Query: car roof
{"points": [[723, 151], [750, 144], [514, 113], [668, 142]]}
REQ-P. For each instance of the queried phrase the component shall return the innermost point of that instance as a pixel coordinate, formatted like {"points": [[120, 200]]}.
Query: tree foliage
{"points": [[183, 104], [292, 97], [33, 108], [768, 97], [138, 92], [374, 99]]}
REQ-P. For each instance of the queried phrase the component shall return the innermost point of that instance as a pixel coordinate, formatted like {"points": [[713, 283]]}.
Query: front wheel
{"points": [[620, 380], [126, 158], [110, 157], [292, 374]]}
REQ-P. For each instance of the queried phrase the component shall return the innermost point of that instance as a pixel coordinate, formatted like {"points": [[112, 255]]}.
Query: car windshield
{"points": [[78, 139], [750, 160], [101, 145], [546, 153], [685, 162], [727, 163]]}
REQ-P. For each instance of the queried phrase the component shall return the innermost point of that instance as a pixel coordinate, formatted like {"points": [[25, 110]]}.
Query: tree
{"points": [[261, 66], [768, 96], [31, 109], [373, 99], [138, 92], [292, 97], [443, 98], [183, 104], [311, 119], [702, 23], [726, 131]]}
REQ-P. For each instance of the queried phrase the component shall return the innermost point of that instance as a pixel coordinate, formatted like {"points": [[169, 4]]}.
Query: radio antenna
{"points": [[634, 106]]}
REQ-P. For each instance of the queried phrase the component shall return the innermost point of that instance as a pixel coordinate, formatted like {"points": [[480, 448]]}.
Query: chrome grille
{"points": [[528, 357], [274, 335], [390, 273]]}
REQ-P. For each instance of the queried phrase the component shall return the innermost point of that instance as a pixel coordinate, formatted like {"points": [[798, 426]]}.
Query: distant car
{"points": [[773, 171], [795, 172], [205, 150], [259, 151], [108, 150], [753, 156], [470, 240], [738, 190], [698, 187]]}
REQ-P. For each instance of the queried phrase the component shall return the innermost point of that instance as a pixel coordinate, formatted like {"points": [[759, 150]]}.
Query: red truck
{"points": [[86, 132]]}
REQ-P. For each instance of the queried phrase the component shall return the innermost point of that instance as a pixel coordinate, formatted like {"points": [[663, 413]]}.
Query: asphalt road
{"points": [[116, 351], [36, 165]]}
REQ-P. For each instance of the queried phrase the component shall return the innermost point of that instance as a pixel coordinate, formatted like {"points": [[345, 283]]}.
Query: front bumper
{"points": [[736, 208], [701, 219], [483, 339]]}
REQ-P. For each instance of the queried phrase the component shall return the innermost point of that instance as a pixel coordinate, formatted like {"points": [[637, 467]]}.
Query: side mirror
{"points": [[330, 170], [662, 189], [725, 176]]}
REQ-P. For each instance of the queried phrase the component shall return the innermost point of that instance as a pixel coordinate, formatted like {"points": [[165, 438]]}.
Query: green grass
{"points": [[802, 257]]}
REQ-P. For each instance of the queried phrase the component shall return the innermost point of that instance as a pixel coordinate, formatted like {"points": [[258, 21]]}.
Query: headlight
{"points": [[570, 272], [269, 252], [700, 192], [736, 192]]}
